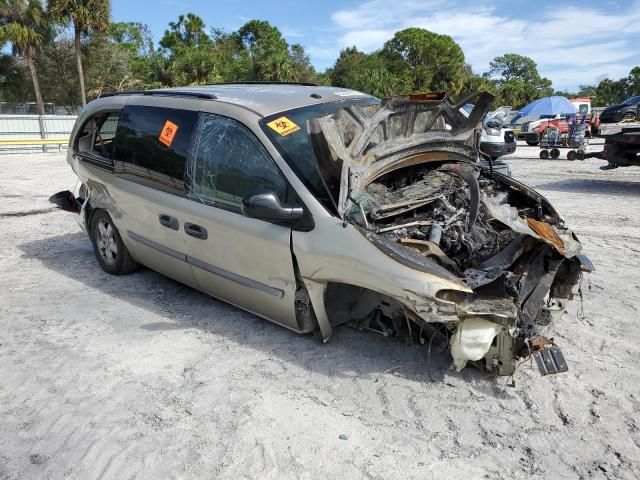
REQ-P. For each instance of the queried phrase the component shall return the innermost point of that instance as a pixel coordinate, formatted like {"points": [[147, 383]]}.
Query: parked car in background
{"points": [[496, 139], [629, 110], [534, 130]]}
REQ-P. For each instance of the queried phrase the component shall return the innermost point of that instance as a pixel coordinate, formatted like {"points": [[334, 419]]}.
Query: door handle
{"points": [[168, 221], [195, 230]]}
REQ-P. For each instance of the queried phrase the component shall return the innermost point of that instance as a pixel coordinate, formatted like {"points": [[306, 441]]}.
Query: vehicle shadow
{"points": [[593, 186], [349, 352]]}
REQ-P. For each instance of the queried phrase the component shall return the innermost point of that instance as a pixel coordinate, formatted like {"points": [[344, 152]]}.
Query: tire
{"points": [[544, 154], [571, 155], [554, 153], [112, 255], [532, 144], [629, 117]]}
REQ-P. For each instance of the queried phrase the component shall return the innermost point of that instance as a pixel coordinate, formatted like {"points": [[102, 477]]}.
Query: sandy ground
{"points": [[140, 377]]}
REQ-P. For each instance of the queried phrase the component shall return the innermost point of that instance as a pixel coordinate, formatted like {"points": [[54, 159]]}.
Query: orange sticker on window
{"points": [[283, 126], [168, 133]]}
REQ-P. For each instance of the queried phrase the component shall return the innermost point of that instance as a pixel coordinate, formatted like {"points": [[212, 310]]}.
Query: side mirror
{"points": [[266, 206]]}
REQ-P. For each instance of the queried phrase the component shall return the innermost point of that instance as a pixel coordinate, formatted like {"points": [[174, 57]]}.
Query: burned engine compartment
{"points": [[498, 260], [500, 240], [434, 212]]}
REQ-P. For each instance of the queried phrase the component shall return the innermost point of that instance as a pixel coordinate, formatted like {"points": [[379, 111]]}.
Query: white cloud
{"points": [[572, 44]]}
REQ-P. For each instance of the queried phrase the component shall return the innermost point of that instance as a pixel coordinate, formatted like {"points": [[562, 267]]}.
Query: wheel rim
{"points": [[106, 241], [629, 116]]}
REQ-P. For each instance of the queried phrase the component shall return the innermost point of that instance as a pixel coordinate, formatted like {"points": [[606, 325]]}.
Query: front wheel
{"points": [[112, 255]]}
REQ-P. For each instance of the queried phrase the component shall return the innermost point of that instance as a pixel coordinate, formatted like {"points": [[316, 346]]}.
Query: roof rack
{"points": [[265, 82], [162, 93]]}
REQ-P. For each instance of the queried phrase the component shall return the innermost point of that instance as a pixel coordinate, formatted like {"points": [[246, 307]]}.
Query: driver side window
{"points": [[230, 163]]}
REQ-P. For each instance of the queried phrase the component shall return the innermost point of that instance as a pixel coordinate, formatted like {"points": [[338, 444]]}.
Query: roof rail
{"points": [[162, 93], [264, 82]]}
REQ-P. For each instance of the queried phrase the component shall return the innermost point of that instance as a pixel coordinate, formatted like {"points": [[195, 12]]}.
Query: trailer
{"points": [[621, 145]]}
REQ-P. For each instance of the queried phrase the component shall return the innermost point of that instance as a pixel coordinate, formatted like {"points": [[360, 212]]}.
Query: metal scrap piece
{"points": [[418, 223], [547, 232], [394, 209], [550, 361], [430, 249]]}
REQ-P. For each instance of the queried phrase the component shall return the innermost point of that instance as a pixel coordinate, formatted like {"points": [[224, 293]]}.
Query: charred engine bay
{"points": [[444, 213]]}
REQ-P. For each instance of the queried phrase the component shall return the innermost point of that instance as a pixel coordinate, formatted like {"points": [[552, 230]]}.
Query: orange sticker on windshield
{"points": [[168, 133], [283, 126]]}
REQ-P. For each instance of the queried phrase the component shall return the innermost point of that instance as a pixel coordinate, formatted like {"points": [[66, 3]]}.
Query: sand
{"points": [[141, 377]]}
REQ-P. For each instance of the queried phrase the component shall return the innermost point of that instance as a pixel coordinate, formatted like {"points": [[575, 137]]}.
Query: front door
{"points": [[245, 261]]}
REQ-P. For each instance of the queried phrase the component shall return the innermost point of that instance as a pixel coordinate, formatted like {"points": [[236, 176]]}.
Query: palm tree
{"points": [[21, 22], [86, 16]]}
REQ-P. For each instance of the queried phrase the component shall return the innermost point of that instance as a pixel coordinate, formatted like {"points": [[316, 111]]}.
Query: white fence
{"points": [[33, 128]]}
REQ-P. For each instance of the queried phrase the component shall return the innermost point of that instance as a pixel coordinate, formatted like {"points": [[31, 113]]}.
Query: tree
{"points": [[135, 42], [367, 73], [14, 84], [22, 24], [609, 92], [633, 82], [517, 80], [188, 31], [59, 74], [425, 61], [303, 71], [86, 16], [269, 52], [190, 56]]}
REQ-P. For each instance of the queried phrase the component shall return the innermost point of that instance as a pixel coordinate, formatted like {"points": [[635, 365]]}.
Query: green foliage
{"points": [[517, 80], [21, 24], [633, 82], [367, 73], [14, 81], [85, 15], [269, 52], [122, 55], [425, 61]]}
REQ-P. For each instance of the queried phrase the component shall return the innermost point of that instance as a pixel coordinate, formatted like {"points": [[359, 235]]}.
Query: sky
{"points": [[573, 42]]}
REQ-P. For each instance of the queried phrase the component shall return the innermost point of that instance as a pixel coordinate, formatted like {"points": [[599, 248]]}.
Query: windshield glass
{"points": [[294, 145], [631, 101]]}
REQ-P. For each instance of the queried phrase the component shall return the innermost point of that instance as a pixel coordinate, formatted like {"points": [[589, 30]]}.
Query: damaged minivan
{"points": [[316, 207]]}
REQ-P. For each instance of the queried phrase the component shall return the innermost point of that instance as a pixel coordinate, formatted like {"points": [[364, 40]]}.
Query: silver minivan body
{"points": [[341, 261]]}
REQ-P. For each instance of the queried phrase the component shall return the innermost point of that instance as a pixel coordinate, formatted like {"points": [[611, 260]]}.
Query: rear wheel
{"points": [[555, 153], [629, 117], [112, 255], [571, 155], [544, 154]]}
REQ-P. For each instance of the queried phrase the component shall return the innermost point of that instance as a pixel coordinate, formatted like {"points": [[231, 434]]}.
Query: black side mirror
{"points": [[266, 206]]}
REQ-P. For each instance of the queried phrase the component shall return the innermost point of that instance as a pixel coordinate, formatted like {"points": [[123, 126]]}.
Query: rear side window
{"points": [[152, 146], [230, 163], [97, 135]]}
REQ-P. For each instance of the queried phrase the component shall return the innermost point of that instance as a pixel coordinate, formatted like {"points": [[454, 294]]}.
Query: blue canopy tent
{"points": [[549, 106]]}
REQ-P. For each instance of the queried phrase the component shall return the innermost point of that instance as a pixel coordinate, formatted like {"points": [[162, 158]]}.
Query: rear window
{"points": [[631, 101], [296, 149], [152, 145]]}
